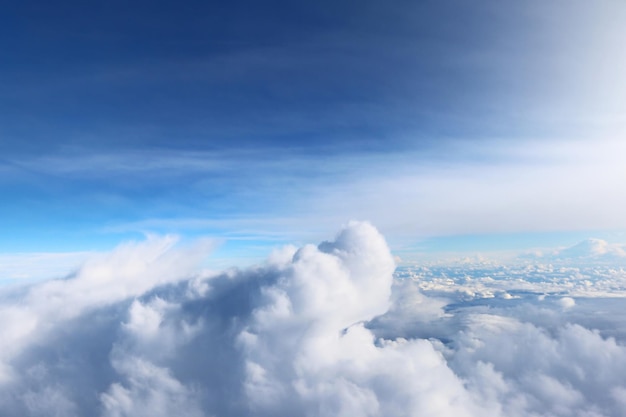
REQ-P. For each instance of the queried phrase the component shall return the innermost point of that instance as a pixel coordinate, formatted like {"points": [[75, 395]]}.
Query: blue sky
{"points": [[260, 123]]}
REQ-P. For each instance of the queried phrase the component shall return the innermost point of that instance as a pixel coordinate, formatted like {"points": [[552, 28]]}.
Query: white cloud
{"points": [[525, 186], [129, 271], [535, 373], [150, 391], [567, 302], [320, 330], [491, 186], [29, 267]]}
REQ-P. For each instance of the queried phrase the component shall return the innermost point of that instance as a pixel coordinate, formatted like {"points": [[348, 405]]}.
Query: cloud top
{"points": [[315, 331]]}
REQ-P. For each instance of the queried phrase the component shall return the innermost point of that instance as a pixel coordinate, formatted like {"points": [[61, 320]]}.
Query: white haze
{"points": [[327, 330]]}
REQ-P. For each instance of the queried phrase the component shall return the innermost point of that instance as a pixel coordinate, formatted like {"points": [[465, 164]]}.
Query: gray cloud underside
{"points": [[317, 331]]}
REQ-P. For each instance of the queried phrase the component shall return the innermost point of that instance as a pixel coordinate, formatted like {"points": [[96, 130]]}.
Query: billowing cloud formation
{"points": [[323, 330]]}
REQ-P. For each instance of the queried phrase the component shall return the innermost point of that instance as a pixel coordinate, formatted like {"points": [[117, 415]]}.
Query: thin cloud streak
{"points": [[533, 186], [567, 186]]}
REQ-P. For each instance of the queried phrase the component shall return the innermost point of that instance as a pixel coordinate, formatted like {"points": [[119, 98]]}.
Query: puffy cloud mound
{"points": [[318, 331]]}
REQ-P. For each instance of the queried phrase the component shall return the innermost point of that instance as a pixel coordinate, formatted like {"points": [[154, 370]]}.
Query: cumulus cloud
{"points": [[314, 331]]}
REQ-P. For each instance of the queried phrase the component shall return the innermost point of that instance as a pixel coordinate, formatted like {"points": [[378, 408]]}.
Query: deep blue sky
{"points": [[201, 75], [269, 121]]}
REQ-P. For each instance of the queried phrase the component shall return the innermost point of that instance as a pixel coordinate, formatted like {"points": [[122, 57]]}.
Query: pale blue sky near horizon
{"points": [[449, 125]]}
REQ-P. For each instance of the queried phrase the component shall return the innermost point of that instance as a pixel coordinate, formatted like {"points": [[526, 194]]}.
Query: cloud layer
{"points": [[315, 331]]}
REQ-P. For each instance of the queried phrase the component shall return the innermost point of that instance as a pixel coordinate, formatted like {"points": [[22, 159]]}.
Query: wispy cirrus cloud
{"points": [[360, 109], [498, 187]]}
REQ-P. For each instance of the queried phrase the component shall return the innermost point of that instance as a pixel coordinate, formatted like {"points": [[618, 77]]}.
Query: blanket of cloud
{"points": [[327, 330]]}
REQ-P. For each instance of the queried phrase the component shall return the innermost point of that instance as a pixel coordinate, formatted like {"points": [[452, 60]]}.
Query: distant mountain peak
{"points": [[592, 248]]}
